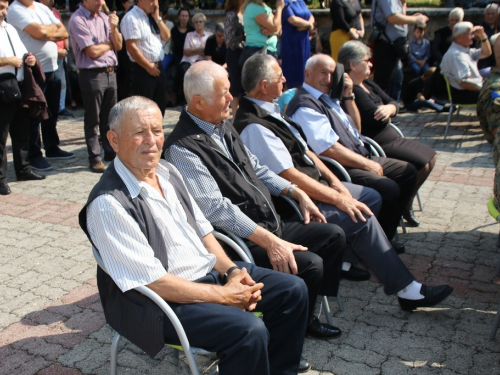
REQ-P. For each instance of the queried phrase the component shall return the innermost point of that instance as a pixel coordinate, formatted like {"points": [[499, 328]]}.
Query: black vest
{"points": [[131, 314], [236, 178], [303, 99], [250, 113]]}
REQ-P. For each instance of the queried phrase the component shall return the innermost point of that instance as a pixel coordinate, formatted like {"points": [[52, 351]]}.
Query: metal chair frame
{"points": [[452, 105]]}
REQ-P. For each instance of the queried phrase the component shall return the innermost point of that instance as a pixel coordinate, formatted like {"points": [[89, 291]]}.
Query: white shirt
{"points": [[124, 248], [195, 40], [6, 49], [135, 26], [460, 63], [316, 126], [263, 143], [20, 16]]}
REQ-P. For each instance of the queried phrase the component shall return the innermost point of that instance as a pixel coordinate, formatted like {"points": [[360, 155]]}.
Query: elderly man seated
{"points": [[459, 63], [488, 104], [234, 191], [333, 133], [149, 231], [278, 143]]}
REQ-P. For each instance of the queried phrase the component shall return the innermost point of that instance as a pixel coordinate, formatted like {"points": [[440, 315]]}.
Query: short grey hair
{"points": [[125, 106], [219, 27], [256, 69], [315, 59], [457, 12], [200, 79], [352, 51], [491, 5], [462, 28]]}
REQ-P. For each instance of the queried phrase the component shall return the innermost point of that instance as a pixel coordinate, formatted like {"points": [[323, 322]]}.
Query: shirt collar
{"points": [[207, 127], [311, 90], [87, 13], [142, 13], [460, 48], [133, 185], [270, 107]]}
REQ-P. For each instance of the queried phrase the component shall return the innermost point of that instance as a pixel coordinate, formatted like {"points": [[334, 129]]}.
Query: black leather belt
{"points": [[108, 69]]}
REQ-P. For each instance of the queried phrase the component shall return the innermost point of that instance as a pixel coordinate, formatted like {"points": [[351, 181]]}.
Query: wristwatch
{"points": [[484, 40], [290, 189], [159, 20], [351, 97]]}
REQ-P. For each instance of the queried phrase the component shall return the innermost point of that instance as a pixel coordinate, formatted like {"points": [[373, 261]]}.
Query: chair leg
{"points": [[340, 302], [449, 120], [175, 357], [326, 309], [497, 272], [114, 353], [403, 225], [419, 200], [496, 323]]}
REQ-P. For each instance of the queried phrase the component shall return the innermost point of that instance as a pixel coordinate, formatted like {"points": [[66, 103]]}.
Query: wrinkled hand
{"points": [[353, 208], [361, 33], [62, 53], [30, 59], [16, 62], [421, 19], [281, 256], [374, 167], [156, 10], [153, 70], [383, 112], [348, 85], [113, 20], [280, 4], [309, 210], [240, 293], [353, 34], [265, 31]]}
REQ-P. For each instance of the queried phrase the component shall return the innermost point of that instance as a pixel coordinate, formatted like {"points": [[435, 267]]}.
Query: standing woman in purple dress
{"points": [[297, 21]]}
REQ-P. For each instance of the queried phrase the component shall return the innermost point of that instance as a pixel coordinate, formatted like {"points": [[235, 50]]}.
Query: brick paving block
{"points": [[58, 369]]}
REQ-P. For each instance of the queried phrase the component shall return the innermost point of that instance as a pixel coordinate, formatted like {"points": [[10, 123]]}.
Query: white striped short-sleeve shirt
{"points": [[135, 26], [124, 248]]}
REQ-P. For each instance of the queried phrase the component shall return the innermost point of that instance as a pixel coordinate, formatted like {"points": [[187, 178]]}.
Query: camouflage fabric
{"points": [[496, 155], [488, 105]]}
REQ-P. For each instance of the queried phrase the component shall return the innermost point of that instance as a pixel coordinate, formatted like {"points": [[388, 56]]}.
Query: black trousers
{"points": [[99, 96], [385, 62], [14, 119], [244, 343], [464, 96], [396, 188], [52, 91], [144, 84], [320, 266]]}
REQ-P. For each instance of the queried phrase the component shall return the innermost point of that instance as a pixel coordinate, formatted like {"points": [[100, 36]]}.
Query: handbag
{"points": [[10, 91], [401, 47]]}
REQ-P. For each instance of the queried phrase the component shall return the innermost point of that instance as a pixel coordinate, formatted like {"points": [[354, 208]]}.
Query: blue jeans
{"points": [[417, 70], [417, 104]]}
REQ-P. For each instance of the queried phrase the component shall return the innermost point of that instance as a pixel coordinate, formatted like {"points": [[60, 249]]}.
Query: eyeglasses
{"points": [[280, 77], [366, 61]]}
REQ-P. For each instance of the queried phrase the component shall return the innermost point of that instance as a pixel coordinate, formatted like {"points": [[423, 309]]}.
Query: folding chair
{"points": [[496, 215], [452, 105], [189, 351], [401, 135]]}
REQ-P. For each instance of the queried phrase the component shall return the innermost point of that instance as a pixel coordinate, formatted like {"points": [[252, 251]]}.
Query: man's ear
{"points": [[198, 102], [113, 139], [263, 86]]}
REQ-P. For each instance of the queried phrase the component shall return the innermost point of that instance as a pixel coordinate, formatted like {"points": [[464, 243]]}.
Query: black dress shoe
{"points": [[304, 366], [356, 274], [411, 220], [433, 295], [4, 188], [322, 330], [29, 176], [398, 247]]}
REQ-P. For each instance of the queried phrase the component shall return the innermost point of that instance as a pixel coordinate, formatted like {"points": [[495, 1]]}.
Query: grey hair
{"points": [[491, 5], [462, 28], [315, 59], [219, 27], [256, 69], [200, 79], [352, 51], [457, 12], [125, 106]]}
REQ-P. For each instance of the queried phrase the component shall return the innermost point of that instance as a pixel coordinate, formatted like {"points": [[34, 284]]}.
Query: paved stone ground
{"points": [[51, 320]]}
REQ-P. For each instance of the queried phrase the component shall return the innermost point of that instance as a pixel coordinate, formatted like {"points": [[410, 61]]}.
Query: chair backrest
{"points": [[400, 133], [375, 147], [493, 210], [334, 164]]}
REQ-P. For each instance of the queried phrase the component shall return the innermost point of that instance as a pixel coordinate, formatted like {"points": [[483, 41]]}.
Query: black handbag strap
{"points": [[11, 46]]}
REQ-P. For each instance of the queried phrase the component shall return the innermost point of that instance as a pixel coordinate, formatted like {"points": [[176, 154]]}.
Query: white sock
{"points": [[346, 266], [412, 291]]}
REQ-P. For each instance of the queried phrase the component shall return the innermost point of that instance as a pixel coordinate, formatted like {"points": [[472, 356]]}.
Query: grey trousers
{"points": [[367, 242], [99, 96]]}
